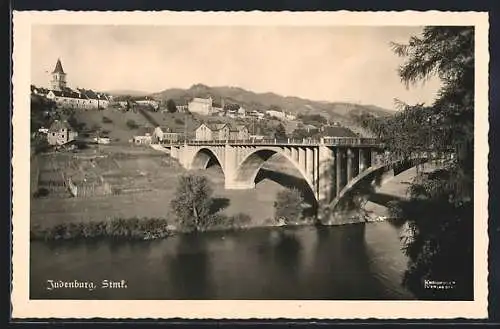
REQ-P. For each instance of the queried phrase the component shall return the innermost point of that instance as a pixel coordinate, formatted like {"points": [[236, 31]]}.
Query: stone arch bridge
{"points": [[332, 167]]}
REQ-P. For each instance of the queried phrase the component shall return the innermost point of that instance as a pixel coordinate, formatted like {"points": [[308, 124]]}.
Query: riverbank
{"points": [[143, 183], [143, 228]]}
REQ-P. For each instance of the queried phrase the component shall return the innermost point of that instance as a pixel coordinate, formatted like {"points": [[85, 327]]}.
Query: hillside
{"points": [[115, 124], [119, 130], [263, 101], [126, 92], [336, 111]]}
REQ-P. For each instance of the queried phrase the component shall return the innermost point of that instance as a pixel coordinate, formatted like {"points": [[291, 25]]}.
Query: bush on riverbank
{"points": [[224, 222], [193, 202], [289, 205], [131, 229]]}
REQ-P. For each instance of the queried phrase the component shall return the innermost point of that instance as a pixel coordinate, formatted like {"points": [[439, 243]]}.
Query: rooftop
{"points": [[59, 125], [58, 68], [202, 100]]}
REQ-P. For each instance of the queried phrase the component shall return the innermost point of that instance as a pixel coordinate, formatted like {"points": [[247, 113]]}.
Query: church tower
{"points": [[58, 81]]}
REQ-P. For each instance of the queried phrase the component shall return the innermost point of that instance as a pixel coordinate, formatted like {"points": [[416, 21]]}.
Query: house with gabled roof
{"points": [[221, 131], [239, 132], [60, 133], [142, 136], [212, 131]]}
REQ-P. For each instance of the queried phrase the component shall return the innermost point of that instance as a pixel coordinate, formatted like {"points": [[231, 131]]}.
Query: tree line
{"points": [[440, 214]]}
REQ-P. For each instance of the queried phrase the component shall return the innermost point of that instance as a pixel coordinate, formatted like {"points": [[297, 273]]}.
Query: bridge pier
{"points": [[373, 157], [315, 176], [186, 154], [362, 160], [339, 181], [309, 164], [302, 158], [295, 154], [349, 164], [230, 163], [326, 174], [174, 152]]}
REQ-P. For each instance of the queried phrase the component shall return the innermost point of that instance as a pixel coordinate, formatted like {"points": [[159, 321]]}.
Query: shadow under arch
{"points": [[205, 158], [250, 170], [372, 178]]}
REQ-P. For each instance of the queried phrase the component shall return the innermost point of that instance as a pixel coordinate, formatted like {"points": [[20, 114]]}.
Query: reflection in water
{"points": [[344, 262], [188, 268]]}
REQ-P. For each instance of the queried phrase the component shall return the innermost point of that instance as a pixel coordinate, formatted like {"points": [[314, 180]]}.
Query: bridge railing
{"points": [[387, 157], [331, 141], [349, 141]]}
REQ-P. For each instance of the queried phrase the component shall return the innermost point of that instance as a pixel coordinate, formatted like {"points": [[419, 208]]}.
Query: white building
{"points": [[201, 106], [60, 133], [148, 101], [142, 139], [158, 135], [282, 115], [64, 96], [102, 140], [256, 114], [242, 112], [232, 113], [181, 108], [276, 114]]}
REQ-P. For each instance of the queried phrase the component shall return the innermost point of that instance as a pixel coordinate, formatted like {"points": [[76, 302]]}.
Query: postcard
{"points": [[236, 165]]}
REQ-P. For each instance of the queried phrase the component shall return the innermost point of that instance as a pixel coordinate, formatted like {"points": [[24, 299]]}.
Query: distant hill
{"points": [[125, 92], [336, 111]]}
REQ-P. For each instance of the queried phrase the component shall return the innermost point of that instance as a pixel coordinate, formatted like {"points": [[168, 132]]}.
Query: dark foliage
{"points": [[440, 214], [289, 205], [119, 228], [132, 124], [193, 202], [43, 112], [171, 106], [280, 132], [105, 119]]}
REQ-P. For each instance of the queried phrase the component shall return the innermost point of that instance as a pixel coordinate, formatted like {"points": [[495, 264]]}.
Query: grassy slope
{"points": [[157, 178], [118, 128]]}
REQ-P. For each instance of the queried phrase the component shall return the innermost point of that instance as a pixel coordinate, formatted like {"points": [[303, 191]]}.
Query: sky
{"points": [[324, 63]]}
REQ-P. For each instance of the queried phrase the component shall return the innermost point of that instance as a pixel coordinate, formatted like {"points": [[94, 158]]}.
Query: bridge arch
{"points": [[250, 166], [202, 158], [375, 176]]}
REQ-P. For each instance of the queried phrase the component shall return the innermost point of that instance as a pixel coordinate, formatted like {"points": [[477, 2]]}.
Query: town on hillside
{"points": [[298, 189], [63, 116]]}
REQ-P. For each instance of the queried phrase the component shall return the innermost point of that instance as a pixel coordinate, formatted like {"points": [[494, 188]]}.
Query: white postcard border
{"points": [[23, 307]]}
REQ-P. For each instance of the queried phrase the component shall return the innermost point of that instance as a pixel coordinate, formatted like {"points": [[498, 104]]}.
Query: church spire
{"points": [[58, 68], [58, 81]]}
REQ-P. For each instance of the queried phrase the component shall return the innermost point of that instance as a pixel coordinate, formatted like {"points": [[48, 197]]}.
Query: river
{"points": [[353, 262]]}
